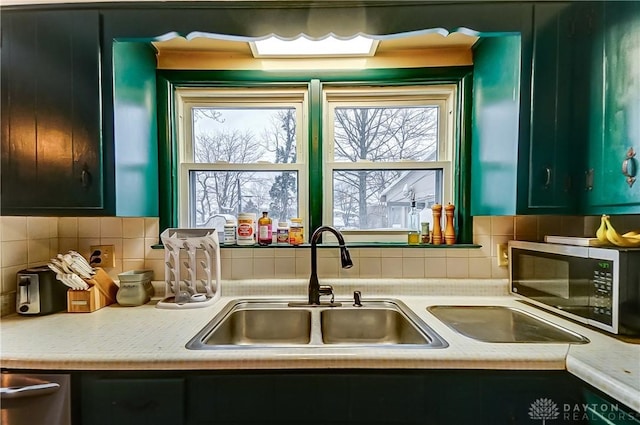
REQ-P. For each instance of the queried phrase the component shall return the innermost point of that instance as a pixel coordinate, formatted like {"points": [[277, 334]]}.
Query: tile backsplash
{"points": [[30, 241]]}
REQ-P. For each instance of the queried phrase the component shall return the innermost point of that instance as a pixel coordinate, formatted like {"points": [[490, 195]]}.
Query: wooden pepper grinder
{"points": [[449, 231], [437, 229]]}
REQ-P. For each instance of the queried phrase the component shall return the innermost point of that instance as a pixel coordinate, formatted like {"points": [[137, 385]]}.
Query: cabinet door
{"points": [[614, 106], [603, 410], [495, 167], [51, 144], [550, 182], [135, 401]]}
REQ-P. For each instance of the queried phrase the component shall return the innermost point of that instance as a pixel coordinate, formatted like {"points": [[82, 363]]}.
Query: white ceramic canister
{"points": [[246, 229]]}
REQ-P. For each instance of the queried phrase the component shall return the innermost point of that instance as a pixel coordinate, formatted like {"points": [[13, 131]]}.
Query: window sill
{"points": [[350, 245]]}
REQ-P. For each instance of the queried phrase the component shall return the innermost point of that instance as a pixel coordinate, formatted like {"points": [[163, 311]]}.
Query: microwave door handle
{"points": [[29, 390]]}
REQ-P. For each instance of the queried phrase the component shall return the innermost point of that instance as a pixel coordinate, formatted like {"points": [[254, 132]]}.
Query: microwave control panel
{"points": [[602, 291]]}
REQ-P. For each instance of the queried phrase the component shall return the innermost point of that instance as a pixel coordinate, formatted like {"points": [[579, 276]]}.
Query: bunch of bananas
{"points": [[607, 234]]}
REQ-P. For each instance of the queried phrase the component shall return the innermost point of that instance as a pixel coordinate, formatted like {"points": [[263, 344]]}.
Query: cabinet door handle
{"points": [[85, 178], [547, 181], [588, 179], [29, 390], [629, 168]]}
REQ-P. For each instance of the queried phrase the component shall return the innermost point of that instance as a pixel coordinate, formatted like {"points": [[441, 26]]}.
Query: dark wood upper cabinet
{"points": [[51, 132]]}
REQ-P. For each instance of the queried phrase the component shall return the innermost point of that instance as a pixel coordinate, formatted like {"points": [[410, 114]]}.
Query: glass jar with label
{"points": [[424, 232], [282, 233], [246, 229], [265, 232], [296, 232], [229, 232]]}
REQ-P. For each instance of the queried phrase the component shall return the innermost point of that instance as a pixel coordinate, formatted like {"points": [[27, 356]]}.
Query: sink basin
{"points": [[263, 324], [249, 326], [358, 325], [503, 324]]}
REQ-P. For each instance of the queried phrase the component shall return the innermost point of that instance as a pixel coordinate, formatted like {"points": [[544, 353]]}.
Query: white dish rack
{"points": [[194, 254]]}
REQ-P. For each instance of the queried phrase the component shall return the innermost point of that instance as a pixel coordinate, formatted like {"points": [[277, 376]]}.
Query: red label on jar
{"points": [[245, 230]]}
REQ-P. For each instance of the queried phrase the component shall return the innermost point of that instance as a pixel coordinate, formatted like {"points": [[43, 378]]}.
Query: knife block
{"points": [[102, 292]]}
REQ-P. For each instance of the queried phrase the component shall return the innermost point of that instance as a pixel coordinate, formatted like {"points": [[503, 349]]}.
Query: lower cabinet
{"points": [[135, 400], [404, 397]]}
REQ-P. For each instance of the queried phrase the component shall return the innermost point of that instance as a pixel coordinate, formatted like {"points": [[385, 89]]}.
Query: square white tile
{"points": [[133, 248], [88, 227], [111, 227], [457, 267], [413, 267], [13, 228], [38, 227], [68, 227], [14, 253], [133, 227], [435, 267]]}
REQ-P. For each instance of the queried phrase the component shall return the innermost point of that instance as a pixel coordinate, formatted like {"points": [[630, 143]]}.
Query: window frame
{"points": [[167, 81], [186, 99], [336, 96]]}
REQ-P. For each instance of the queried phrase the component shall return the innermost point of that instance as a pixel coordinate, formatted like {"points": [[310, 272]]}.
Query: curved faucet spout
{"points": [[345, 259]]}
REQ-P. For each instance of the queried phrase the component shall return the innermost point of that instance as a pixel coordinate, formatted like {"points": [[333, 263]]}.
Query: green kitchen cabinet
{"points": [[332, 397], [599, 409], [610, 109], [135, 131], [526, 158], [551, 177], [496, 154], [135, 400], [50, 102]]}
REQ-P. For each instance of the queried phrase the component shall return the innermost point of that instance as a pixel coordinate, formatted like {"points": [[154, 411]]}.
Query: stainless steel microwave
{"points": [[596, 286]]}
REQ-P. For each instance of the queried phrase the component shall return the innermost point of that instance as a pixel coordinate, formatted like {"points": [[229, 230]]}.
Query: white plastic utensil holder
{"points": [[191, 257]]}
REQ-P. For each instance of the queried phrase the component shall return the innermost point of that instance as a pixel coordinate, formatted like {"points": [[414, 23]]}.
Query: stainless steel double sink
{"points": [[379, 323], [260, 323]]}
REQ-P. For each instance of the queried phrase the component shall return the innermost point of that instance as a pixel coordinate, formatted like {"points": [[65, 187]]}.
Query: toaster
{"points": [[39, 292]]}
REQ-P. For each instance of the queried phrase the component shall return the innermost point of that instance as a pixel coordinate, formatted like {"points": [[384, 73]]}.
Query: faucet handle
{"points": [[327, 290], [357, 299]]}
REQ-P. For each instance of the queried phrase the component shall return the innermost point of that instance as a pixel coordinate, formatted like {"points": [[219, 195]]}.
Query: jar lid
{"points": [[297, 220], [282, 224]]}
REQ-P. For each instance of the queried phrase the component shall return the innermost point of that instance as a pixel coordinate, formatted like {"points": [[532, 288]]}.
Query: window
{"points": [[368, 152], [384, 148], [242, 150]]}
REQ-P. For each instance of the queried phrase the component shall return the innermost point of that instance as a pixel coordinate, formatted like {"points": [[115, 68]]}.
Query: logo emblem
{"points": [[543, 409]]}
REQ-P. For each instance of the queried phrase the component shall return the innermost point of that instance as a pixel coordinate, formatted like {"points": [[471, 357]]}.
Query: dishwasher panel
{"points": [[35, 399]]}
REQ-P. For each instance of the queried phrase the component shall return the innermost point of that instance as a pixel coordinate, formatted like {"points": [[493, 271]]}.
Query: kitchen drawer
{"points": [[135, 401]]}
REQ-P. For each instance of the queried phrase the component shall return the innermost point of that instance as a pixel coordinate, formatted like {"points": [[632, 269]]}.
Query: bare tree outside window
{"points": [[243, 136], [280, 138], [378, 135]]}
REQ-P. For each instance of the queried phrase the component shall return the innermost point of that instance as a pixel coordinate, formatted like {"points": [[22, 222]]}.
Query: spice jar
{"points": [[424, 232], [282, 233], [296, 232]]}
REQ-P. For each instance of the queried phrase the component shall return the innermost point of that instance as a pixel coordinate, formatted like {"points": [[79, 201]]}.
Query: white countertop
{"points": [[148, 338]]}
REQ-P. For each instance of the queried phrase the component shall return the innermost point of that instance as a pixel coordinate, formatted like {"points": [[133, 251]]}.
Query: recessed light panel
{"points": [[305, 47]]}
